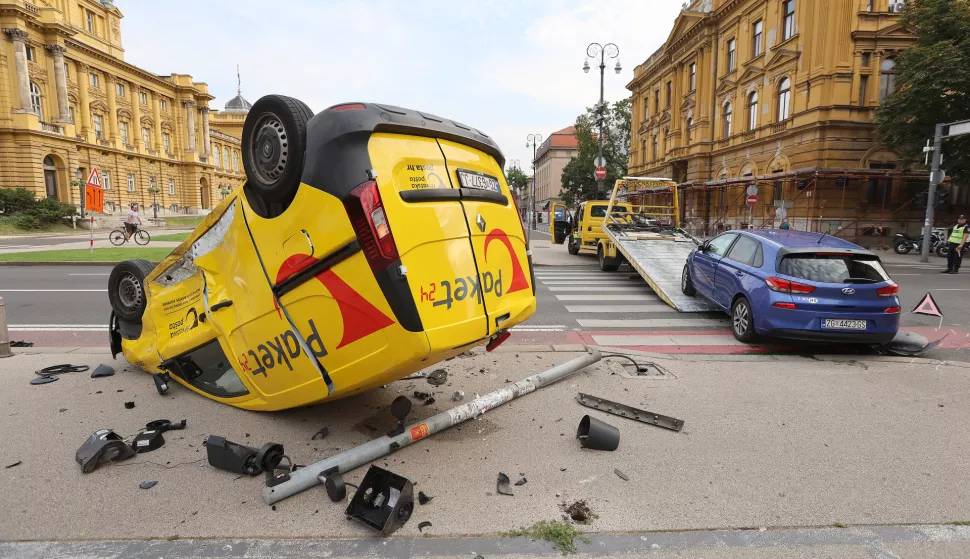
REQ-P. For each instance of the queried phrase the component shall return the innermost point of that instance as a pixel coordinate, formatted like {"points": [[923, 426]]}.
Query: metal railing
{"points": [[52, 128]]}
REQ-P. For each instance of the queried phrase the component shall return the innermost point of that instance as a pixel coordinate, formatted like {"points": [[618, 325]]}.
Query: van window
{"points": [[834, 268], [207, 369], [600, 211]]}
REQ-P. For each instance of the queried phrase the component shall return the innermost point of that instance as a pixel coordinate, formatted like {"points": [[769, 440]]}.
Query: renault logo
{"points": [[848, 290], [480, 221]]}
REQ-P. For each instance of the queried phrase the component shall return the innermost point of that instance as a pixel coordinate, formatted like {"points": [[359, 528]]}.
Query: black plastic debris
{"points": [[320, 434], [240, 459], [102, 447], [423, 525], [147, 484], [597, 435], [161, 382], [429, 401], [129, 405], [908, 344], [61, 369], [502, 485], [458, 396], [621, 475], [422, 395], [423, 499], [522, 481], [103, 371], [400, 408], [336, 487], [43, 380], [383, 502], [151, 438], [21, 343], [438, 377], [17, 463]]}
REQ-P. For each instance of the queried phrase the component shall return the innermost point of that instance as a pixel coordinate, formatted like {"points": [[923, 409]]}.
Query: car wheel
{"points": [[572, 247], [274, 146], [742, 321], [686, 283], [126, 289], [606, 264]]}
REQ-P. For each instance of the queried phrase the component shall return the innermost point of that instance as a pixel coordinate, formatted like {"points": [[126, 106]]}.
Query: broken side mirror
{"points": [[384, 501]]}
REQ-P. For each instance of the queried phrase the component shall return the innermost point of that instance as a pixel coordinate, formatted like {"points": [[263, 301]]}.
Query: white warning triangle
{"points": [[928, 306]]}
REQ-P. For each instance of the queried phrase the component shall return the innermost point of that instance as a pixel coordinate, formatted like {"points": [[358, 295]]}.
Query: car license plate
{"points": [[840, 324], [474, 179]]}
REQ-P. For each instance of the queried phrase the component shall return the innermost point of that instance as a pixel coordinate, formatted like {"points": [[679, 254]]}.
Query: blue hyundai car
{"points": [[795, 284]]}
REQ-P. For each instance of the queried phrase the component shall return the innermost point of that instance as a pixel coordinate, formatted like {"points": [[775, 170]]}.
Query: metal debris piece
{"points": [[458, 396], [423, 499], [429, 401], [422, 395], [438, 377], [419, 374], [423, 525], [240, 459], [621, 475], [44, 379], [102, 447], [908, 344], [8, 466], [147, 484], [623, 410], [503, 486], [103, 371], [21, 343], [129, 405], [320, 434], [383, 502], [522, 481], [597, 435]]}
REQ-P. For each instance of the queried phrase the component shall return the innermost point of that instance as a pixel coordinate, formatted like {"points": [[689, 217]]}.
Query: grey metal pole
{"points": [[931, 194], [600, 116], [4, 334], [307, 477]]}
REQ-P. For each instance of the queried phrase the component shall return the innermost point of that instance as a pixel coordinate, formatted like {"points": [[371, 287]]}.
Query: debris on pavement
{"points": [[8, 466], [623, 410], [621, 475], [240, 459], [458, 396], [522, 481], [320, 434], [438, 377], [103, 371], [21, 343], [597, 435], [150, 438], [429, 401], [423, 525], [102, 447], [422, 395], [908, 344], [129, 405], [423, 499], [54, 370], [503, 486], [147, 484], [383, 502], [579, 512], [400, 408], [43, 380]]}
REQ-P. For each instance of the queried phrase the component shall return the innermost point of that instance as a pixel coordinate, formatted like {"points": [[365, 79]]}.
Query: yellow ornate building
{"points": [[775, 96], [69, 103]]}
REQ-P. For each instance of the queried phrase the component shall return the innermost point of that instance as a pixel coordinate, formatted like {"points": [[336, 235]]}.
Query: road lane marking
{"points": [[608, 289], [57, 327], [52, 290], [666, 340], [652, 323], [598, 284], [89, 274], [617, 309], [591, 297]]}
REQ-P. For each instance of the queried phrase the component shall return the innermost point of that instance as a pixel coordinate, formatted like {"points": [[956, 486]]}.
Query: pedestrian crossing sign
{"points": [[928, 307]]}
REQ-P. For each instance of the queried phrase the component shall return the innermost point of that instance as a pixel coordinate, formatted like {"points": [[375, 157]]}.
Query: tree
{"points": [[932, 84], [518, 181], [578, 182]]}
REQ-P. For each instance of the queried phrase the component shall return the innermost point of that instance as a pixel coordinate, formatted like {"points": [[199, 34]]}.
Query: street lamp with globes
{"points": [[610, 51], [533, 141]]}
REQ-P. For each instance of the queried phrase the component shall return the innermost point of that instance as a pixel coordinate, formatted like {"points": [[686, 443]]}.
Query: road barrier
{"points": [[4, 334]]}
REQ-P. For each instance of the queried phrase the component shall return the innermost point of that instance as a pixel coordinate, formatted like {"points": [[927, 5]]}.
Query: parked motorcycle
{"points": [[944, 249], [903, 243]]}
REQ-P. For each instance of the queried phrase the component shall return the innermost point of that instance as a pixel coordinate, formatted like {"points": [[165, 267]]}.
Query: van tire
{"points": [[607, 264], [572, 247], [274, 147], [126, 289]]}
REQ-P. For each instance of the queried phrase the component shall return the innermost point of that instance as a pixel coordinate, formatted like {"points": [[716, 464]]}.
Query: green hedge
{"points": [[29, 213]]}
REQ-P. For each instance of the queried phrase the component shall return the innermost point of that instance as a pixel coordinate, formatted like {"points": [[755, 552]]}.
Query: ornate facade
{"points": [[69, 103]]}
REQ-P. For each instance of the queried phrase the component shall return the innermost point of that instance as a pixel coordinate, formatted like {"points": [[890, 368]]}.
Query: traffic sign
{"points": [[600, 161], [781, 213], [93, 193], [752, 201], [600, 173], [752, 190]]}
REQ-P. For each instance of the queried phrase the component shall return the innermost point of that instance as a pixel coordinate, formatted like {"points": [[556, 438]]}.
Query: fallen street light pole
{"points": [[4, 333], [305, 478]]}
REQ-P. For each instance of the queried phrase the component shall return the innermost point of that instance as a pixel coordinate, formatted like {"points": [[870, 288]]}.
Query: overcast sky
{"points": [[507, 67]]}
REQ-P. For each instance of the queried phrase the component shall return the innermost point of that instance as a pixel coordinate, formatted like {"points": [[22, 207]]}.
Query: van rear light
{"points": [[892, 310], [888, 291], [788, 306], [367, 216], [348, 107], [785, 286]]}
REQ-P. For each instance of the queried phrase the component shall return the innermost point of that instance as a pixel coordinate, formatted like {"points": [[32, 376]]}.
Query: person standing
{"points": [[956, 242], [785, 225]]}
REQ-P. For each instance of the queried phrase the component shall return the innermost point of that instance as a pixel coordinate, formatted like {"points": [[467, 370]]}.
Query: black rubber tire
{"points": [[902, 247], [687, 283], [943, 250], [572, 247], [748, 335], [607, 264], [141, 237], [117, 237], [274, 147], [129, 276]]}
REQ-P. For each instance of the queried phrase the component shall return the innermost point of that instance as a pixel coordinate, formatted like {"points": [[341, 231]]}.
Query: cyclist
{"points": [[130, 225]]}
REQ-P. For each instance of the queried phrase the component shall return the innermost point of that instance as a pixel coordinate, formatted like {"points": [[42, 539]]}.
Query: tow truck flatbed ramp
{"points": [[647, 234]]}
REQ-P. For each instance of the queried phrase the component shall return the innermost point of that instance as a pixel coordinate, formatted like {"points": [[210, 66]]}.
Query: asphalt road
{"points": [[23, 242]]}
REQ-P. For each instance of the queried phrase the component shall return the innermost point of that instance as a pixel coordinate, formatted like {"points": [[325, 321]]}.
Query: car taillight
{"points": [[786, 286], [888, 291], [892, 310], [785, 305], [369, 221]]}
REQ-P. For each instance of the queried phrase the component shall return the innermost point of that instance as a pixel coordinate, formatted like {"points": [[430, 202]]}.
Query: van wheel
{"points": [[742, 321], [126, 289], [606, 264], [572, 247], [274, 146], [686, 283]]}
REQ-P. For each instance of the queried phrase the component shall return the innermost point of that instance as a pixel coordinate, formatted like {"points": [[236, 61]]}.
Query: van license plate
{"points": [[474, 179], [840, 324]]}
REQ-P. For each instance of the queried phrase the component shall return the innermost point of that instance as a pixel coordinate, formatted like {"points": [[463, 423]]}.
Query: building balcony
{"points": [[130, 148], [779, 127], [748, 136], [52, 128], [31, 8], [104, 143], [722, 143], [151, 151], [170, 155]]}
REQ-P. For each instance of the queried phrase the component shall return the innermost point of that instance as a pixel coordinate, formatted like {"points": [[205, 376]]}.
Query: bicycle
{"points": [[118, 237]]}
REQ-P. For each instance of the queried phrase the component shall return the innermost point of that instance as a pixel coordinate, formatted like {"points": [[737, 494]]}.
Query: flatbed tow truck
{"points": [[649, 238]]}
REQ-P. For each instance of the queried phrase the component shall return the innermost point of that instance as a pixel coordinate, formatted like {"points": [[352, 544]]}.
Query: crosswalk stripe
{"points": [[652, 323], [591, 285], [617, 309], [666, 340], [620, 297], [644, 288]]}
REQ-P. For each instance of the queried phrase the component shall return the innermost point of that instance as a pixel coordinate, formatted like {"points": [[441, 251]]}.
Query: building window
{"points": [[863, 90], [893, 5], [759, 28], [131, 182], [887, 82], [693, 76], [164, 105], [646, 107], [728, 115], [753, 110], [98, 126], [655, 147], [36, 104], [880, 190], [643, 152], [784, 99], [866, 59], [167, 142], [142, 97], [218, 156], [235, 161], [30, 53], [123, 126], [106, 180], [656, 101], [93, 79], [89, 16], [120, 89], [71, 111], [225, 159], [788, 23], [731, 54], [690, 124], [171, 186], [670, 94], [146, 137]]}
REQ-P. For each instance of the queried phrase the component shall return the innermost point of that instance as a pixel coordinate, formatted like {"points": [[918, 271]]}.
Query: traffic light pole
{"points": [[931, 194]]}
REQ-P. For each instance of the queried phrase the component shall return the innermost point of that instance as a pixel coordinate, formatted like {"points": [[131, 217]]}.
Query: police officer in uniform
{"points": [[957, 239]]}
